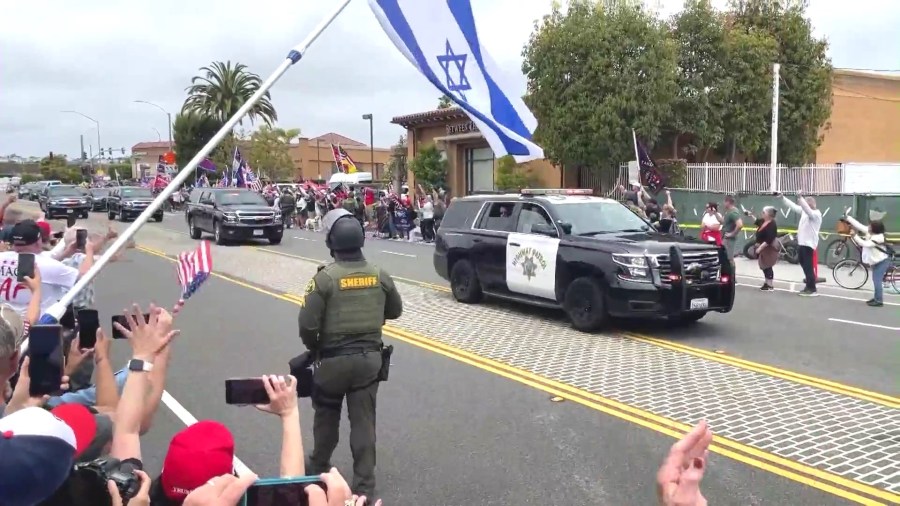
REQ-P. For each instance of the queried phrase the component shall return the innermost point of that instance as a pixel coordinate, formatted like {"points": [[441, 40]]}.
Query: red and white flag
{"points": [[194, 267]]}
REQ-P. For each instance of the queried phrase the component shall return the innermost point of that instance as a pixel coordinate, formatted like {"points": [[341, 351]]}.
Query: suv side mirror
{"points": [[544, 229], [207, 201], [566, 227]]}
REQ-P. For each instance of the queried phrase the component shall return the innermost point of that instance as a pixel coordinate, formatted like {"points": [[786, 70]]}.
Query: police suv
{"points": [[590, 256]]}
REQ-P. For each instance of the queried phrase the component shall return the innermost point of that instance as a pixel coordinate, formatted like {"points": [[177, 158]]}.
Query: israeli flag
{"points": [[439, 38]]}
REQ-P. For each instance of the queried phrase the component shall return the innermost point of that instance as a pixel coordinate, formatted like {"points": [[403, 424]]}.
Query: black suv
{"points": [[98, 198], [232, 214], [128, 202], [590, 256], [64, 200]]}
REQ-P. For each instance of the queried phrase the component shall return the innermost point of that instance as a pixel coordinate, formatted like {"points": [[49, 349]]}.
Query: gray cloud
{"points": [[98, 57]]}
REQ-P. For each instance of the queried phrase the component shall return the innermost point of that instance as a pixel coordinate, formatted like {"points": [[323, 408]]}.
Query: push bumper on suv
{"points": [[679, 283], [130, 209], [66, 209], [252, 225]]}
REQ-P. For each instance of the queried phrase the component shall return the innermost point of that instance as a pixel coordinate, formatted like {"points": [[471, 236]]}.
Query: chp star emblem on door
{"points": [[529, 267]]}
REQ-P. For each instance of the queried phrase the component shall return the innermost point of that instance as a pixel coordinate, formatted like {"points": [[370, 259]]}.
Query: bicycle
{"points": [[839, 249], [852, 274]]}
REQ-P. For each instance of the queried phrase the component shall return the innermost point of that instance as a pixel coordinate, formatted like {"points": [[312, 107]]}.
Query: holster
{"points": [[302, 368], [385, 370]]}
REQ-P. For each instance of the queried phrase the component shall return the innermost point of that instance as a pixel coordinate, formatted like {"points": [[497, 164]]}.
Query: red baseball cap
{"points": [[196, 455], [45, 229], [82, 422]]}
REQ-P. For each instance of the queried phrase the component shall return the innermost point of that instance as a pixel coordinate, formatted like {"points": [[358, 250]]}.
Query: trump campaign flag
{"points": [[651, 176], [440, 39]]}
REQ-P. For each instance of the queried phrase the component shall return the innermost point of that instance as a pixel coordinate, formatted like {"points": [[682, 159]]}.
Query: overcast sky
{"points": [[99, 56]]}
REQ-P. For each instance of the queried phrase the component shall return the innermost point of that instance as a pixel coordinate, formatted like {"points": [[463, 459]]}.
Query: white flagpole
{"points": [[293, 57]]}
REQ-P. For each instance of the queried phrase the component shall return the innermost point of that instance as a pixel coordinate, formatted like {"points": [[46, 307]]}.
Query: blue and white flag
{"points": [[440, 39]]}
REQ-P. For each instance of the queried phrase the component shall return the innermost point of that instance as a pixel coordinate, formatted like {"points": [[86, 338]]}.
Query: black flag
{"points": [[651, 176]]}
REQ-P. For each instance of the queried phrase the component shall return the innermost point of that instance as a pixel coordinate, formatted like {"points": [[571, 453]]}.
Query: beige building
{"points": [[864, 127], [145, 157], [313, 158]]}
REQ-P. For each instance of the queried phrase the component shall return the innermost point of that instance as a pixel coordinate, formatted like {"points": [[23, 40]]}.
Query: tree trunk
{"points": [[675, 146], [733, 151]]}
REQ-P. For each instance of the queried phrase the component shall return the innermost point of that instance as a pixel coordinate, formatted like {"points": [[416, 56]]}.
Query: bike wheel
{"points": [[892, 279], [836, 251], [850, 274]]}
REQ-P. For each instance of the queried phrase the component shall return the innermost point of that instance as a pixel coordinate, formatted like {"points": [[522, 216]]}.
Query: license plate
{"points": [[259, 232], [699, 303], [70, 211]]}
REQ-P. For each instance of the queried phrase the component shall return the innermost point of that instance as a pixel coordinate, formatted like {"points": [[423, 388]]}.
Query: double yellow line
{"points": [[851, 490]]}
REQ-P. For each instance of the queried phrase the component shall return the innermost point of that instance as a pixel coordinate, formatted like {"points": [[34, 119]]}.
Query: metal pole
{"points": [[773, 170], [171, 146], [82, 148], [372, 146], [56, 311], [318, 167]]}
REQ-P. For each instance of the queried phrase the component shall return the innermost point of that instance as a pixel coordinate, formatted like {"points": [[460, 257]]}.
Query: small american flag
{"points": [[194, 267]]}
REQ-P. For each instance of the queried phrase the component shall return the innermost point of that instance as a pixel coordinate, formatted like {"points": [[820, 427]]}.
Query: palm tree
{"points": [[445, 103], [222, 88]]}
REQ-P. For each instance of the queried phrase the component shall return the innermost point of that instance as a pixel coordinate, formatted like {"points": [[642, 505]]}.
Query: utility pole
{"points": [[318, 167], [82, 148], [773, 170], [371, 145]]}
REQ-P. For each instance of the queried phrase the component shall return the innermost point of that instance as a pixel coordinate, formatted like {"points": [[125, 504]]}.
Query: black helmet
{"points": [[343, 232]]}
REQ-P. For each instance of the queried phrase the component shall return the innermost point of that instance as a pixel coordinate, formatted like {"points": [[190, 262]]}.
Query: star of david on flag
{"points": [[440, 39]]}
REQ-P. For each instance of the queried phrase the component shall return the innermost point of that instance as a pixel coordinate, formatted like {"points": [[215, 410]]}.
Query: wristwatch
{"points": [[139, 365]]}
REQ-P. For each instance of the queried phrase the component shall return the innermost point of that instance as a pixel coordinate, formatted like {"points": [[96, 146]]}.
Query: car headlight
{"points": [[129, 204], [633, 267], [84, 201]]}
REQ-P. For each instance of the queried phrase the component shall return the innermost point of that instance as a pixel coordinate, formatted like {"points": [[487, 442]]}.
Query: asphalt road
{"points": [[448, 433]]}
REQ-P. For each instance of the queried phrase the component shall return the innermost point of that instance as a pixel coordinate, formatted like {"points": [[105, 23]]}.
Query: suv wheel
{"points": [[585, 304], [158, 218], [194, 231], [276, 238], [110, 214], [220, 237], [464, 282]]}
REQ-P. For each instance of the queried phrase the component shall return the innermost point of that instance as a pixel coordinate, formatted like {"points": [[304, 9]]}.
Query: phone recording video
{"points": [[67, 320], [88, 324], [123, 321], [45, 367], [25, 267], [244, 391], [281, 491], [81, 238]]}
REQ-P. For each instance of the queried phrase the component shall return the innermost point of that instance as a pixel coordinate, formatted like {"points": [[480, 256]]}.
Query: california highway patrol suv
{"points": [[590, 256]]}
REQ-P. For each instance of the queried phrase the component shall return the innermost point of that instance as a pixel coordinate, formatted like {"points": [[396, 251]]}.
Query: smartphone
{"points": [[59, 235], [71, 220], [67, 320], [245, 391], [88, 324], [81, 238], [25, 267], [281, 491], [121, 320], [45, 349]]}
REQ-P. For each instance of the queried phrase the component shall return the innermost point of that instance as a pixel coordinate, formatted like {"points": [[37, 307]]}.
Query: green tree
{"points": [[806, 73], [270, 152], [396, 166], [595, 72], [747, 92], [512, 177], [430, 168], [222, 88], [191, 132], [699, 38], [58, 168], [444, 102]]}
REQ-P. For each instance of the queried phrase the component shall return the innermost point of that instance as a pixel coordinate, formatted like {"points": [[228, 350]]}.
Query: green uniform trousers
{"points": [[353, 377]]}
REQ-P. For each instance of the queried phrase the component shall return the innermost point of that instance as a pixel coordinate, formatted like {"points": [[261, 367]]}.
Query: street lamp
{"points": [[92, 119], [168, 115], [158, 137], [371, 143]]}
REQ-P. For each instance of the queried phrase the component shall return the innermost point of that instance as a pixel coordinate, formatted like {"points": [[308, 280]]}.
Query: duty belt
{"points": [[348, 350]]}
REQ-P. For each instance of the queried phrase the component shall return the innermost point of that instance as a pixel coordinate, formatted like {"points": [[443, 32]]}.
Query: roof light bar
{"points": [[556, 191]]}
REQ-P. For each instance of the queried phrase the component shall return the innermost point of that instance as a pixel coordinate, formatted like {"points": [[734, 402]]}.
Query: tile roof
{"points": [[151, 145], [448, 113], [333, 138]]}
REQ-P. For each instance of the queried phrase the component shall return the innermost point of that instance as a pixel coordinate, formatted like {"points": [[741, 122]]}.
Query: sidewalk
{"points": [[789, 277]]}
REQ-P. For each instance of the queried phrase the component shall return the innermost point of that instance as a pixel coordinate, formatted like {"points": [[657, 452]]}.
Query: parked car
{"points": [[128, 202], [232, 214], [64, 200]]}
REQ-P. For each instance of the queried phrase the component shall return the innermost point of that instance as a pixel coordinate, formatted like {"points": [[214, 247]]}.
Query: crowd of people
{"points": [[82, 443]]}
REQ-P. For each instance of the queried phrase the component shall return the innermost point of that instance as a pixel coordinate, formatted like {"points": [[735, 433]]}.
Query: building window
{"points": [[479, 170]]}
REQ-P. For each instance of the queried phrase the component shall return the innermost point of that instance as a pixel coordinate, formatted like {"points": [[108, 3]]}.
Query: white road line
{"points": [[398, 254], [851, 322], [886, 303], [304, 238], [188, 419]]}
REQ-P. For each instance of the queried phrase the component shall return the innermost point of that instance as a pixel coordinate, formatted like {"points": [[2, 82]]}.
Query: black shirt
{"points": [[766, 234]]}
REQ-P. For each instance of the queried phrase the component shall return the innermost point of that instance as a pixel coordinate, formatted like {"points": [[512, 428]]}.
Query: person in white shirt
{"points": [[56, 278], [875, 253], [807, 238], [427, 223]]}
